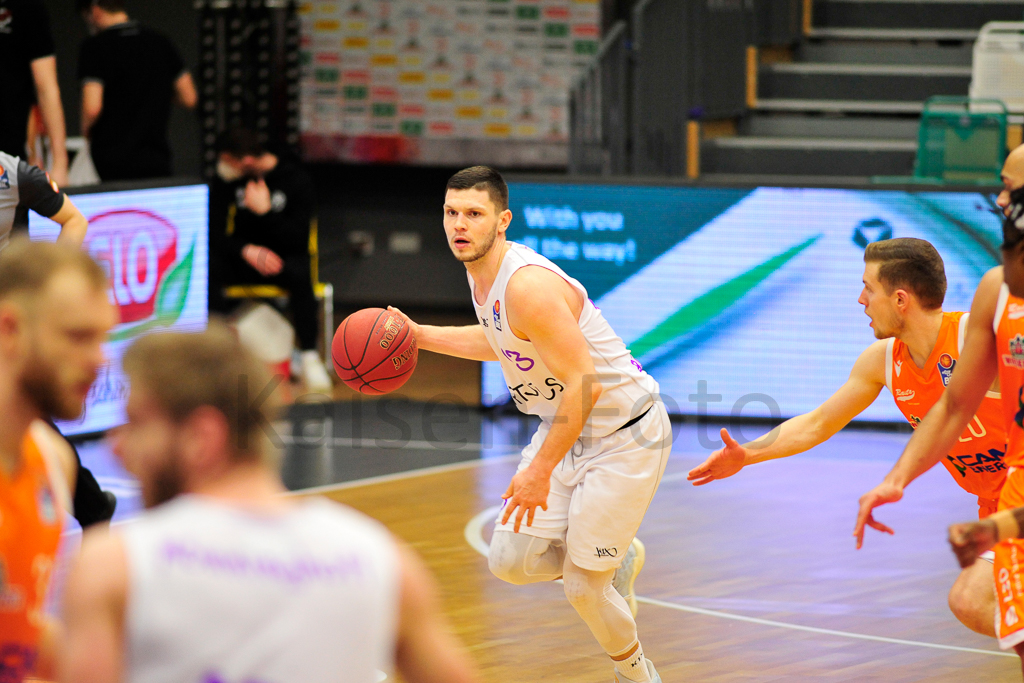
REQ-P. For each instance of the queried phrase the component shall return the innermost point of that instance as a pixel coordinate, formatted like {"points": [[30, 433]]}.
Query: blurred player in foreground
{"points": [[54, 318], [994, 348], [918, 347], [224, 579], [591, 470]]}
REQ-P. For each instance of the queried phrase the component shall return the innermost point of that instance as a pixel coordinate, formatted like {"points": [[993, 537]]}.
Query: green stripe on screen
{"points": [[713, 302]]}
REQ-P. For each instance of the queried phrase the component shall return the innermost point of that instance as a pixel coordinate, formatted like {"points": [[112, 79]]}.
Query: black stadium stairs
{"points": [[847, 106]]}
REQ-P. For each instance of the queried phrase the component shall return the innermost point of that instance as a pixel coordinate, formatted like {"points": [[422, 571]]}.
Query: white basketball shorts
{"points": [[600, 490]]}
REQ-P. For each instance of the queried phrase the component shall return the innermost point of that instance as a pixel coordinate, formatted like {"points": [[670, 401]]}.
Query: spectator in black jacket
{"points": [[131, 75], [261, 209]]}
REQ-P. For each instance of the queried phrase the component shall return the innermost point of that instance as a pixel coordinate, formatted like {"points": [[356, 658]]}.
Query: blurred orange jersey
{"points": [[1009, 329], [30, 529], [976, 461]]}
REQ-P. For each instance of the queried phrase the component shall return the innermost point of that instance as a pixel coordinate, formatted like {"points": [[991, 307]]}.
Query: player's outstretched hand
{"points": [[971, 539], [880, 495], [408, 321], [527, 492], [724, 462]]}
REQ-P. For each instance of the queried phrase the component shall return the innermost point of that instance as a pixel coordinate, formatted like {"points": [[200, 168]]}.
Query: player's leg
{"points": [[609, 502], [520, 558], [537, 552], [972, 599], [608, 616]]}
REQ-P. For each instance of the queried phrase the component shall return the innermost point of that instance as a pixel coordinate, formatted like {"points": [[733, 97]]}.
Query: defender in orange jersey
{"points": [[918, 349], [54, 316], [994, 347]]}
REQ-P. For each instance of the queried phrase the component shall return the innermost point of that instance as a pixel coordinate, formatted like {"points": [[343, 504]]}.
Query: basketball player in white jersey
{"points": [[586, 479], [223, 579]]}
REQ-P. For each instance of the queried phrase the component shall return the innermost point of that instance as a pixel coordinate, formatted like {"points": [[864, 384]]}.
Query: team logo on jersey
{"points": [[607, 552], [497, 315], [1015, 358], [899, 367], [905, 394], [914, 420], [5, 179], [522, 362], [1015, 311], [946, 365]]}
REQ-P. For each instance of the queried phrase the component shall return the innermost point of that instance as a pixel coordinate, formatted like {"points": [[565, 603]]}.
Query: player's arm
{"points": [[802, 432], [971, 539], [94, 610], [37, 192], [73, 224], [44, 74], [428, 652], [467, 341], [544, 308], [945, 422]]}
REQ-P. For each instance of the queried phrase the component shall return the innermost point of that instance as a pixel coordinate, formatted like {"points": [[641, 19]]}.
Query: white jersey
{"points": [[628, 390], [218, 594]]}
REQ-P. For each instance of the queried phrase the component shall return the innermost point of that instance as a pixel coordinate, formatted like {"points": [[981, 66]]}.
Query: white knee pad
{"points": [[519, 559]]}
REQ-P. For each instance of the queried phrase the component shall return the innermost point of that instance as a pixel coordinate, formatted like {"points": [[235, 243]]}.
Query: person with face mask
{"points": [[261, 207], [54, 318]]}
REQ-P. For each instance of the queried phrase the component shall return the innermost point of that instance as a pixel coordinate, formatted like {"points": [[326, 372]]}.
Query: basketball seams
{"points": [[369, 337], [344, 347], [357, 377], [388, 357]]}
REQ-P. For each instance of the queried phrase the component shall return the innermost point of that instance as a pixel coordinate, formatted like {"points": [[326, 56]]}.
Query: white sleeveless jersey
{"points": [[628, 390], [222, 595]]}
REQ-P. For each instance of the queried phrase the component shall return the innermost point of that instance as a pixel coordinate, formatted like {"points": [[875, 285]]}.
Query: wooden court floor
{"points": [[771, 544]]}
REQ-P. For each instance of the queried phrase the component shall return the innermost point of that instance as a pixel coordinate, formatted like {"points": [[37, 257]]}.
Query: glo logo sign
{"points": [[139, 251]]}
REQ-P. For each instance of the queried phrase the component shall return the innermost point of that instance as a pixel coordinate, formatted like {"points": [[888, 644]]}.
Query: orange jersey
{"points": [[976, 461], [1009, 329], [30, 529]]}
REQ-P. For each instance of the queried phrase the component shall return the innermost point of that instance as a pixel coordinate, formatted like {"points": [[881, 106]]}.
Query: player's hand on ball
{"points": [[527, 492], [724, 462], [880, 495], [971, 539], [408, 321]]}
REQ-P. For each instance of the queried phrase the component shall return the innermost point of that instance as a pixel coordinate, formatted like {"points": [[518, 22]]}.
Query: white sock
{"points": [[634, 667]]}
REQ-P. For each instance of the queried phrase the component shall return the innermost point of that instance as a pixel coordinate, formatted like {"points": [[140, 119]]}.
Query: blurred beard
{"points": [[482, 250], [167, 482], [40, 385]]}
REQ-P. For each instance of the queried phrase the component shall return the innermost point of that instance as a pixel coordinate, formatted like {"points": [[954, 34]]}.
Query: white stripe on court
{"points": [[475, 538], [408, 474]]}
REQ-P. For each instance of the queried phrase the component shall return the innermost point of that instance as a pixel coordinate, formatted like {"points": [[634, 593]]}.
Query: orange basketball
{"points": [[374, 351]]}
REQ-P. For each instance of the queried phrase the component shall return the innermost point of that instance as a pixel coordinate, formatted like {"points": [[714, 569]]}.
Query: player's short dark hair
{"points": [[105, 5], [911, 264], [239, 141], [482, 178]]}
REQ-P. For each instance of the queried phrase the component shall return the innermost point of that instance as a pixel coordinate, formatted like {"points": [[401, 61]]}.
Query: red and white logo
{"points": [[136, 248]]}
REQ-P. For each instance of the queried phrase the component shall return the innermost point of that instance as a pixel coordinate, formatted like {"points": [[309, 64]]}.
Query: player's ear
{"points": [[902, 299], [505, 219]]}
